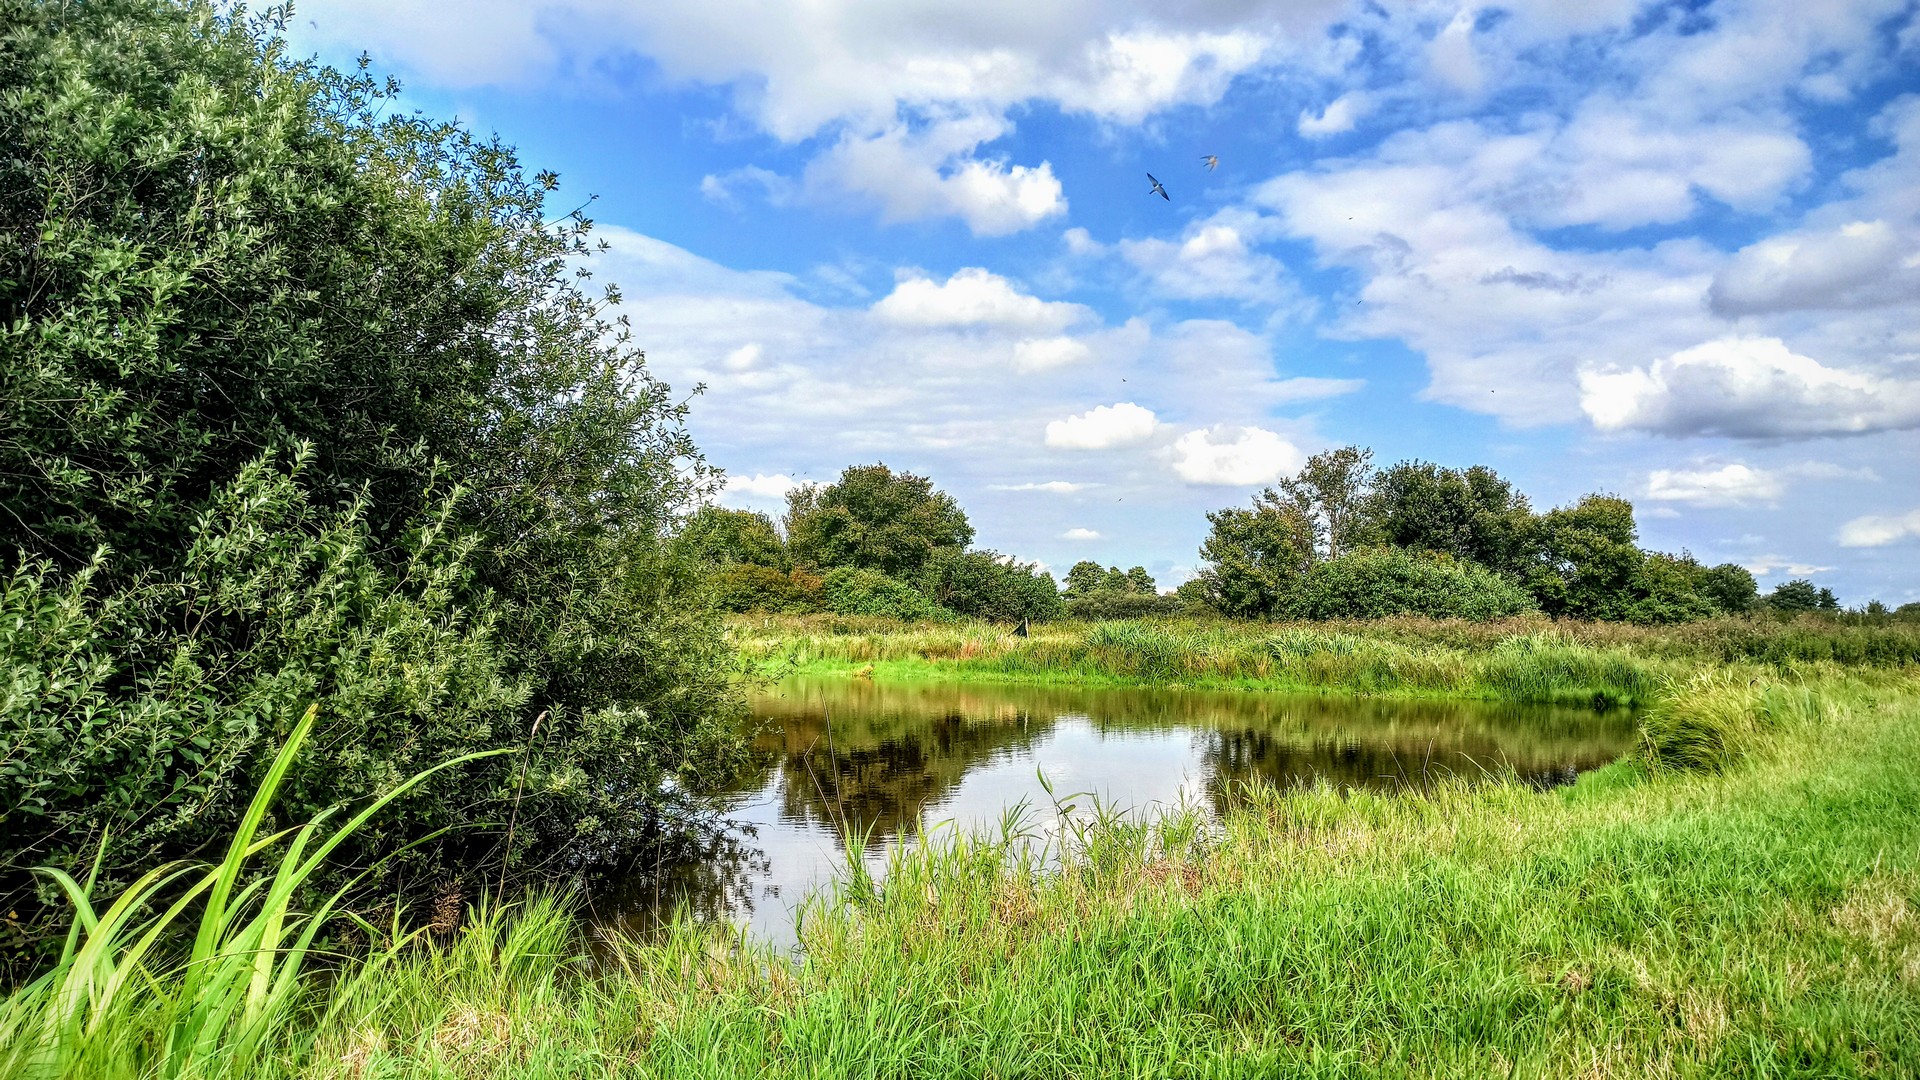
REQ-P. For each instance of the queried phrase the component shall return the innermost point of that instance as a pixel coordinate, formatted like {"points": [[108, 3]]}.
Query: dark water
{"points": [[898, 760]]}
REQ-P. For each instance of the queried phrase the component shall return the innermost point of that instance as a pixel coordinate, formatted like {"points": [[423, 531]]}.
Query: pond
{"points": [[894, 761]]}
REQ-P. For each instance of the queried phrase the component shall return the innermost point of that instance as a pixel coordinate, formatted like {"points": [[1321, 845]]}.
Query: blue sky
{"points": [[1668, 250]]}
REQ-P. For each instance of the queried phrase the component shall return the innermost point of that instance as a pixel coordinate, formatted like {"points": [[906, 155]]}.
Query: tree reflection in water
{"points": [[888, 761]]}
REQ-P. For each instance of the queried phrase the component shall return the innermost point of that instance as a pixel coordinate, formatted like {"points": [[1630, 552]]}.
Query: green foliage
{"points": [[208, 251], [1796, 595], [752, 587], [717, 536], [1729, 587], [1373, 583], [1252, 557], [1585, 558], [1331, 494], [988, 585], [225, 1007], [851, 591], [1111, 593], [1472, 515], [873, 518]]}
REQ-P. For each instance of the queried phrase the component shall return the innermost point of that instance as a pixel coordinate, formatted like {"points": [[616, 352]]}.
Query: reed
{"points": [[144, 988]]}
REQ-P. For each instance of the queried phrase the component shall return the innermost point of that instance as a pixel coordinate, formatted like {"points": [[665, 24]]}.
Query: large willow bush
{"points": [[303, 398]]}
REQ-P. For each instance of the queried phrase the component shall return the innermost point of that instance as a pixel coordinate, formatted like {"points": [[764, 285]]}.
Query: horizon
{"points": [[1663, 250]]}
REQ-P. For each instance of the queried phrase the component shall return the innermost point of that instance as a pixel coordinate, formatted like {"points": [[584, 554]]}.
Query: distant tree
{"points": [[873, 518], [1729, 587], [988, 585], [1377, 582], [1330, 494], [1084, 577], [1665, 589], [1470, 514], [717, 536], [1252, 557], [1798, 594], [1828, 601], [1139, 581], [744, 586], [1585, 559], [1876, 608]]}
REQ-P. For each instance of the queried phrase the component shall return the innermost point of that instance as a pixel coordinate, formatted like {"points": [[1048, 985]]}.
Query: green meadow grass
{"points": [[1739, 897]]}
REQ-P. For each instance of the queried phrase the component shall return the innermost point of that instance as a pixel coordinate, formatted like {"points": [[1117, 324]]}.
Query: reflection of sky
{"points": [[1133, 752]]}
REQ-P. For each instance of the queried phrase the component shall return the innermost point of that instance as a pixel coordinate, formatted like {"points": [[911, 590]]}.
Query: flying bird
{"points": [[1211, 161], [1157, 189]]}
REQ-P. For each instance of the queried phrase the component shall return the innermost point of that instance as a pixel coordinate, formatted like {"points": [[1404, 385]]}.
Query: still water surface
{"points": [[895, 761]]}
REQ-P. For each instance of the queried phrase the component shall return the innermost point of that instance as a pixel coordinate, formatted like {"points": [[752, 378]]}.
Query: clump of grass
{"points": [[1713, 717], [142, 990]]}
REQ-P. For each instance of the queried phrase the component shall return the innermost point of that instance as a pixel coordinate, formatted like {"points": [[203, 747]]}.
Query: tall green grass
{"points": [[1759, 918], [143, 988], [1539, 665]]}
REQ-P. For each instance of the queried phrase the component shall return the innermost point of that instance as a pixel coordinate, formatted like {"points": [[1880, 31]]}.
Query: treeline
{"points": [[302, 403], [1338, 540], [873, 542], [1343, 539]]}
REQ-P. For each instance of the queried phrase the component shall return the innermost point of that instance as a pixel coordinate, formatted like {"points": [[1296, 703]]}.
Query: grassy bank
{"points": [[1514, 660], [1742, 898]]}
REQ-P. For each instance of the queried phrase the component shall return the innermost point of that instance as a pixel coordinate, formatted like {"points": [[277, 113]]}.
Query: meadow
{"points": [[1740, 896]]}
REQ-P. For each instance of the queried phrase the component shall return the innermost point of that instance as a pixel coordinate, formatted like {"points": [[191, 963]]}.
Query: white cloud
{"points": [[1052, 487], [1080, 534], [1732, 484], [933, 172], [1045, 354], [1212, 261], [974, 297], [744, 358], [1234, 456], [760, 487], [1879, 530], [1745, 387], [1451, 57], [1860, 264], [1763, 566], [1103, 427], [1337, 118]]}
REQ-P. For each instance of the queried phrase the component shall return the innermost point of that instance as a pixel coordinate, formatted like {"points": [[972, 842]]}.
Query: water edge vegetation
{"points": [[1740, 896]]}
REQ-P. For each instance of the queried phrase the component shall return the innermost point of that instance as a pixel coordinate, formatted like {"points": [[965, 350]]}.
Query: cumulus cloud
{"points": [[1860, 264], [1212, 261], [1045, 354], [1234, 456], [1052, 487], [933, 173], [1732, 484], [1080, 534], [974, 297], [1762, 566], [1339, 117], [1451, 57], [1745, 387], [1103, 427], [798, 70], [759, 487], [1879, 530]]}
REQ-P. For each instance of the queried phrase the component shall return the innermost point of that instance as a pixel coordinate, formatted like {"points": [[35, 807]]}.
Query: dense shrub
{"points": [[851, 591], [1376, 582], [208, 251], [140, 710], [988, 585], [751, 587], [875, 519], [717, 536]]}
